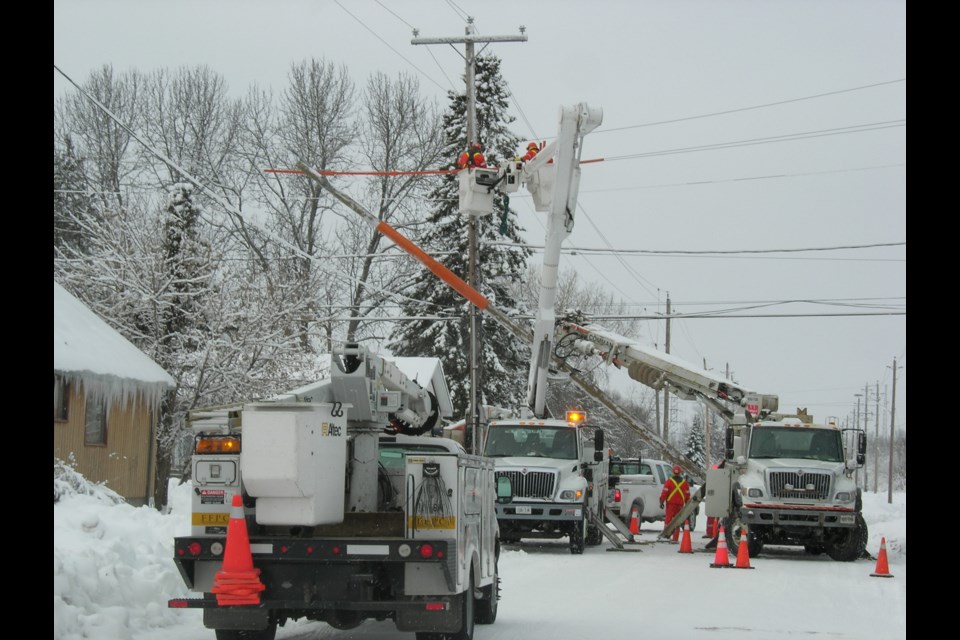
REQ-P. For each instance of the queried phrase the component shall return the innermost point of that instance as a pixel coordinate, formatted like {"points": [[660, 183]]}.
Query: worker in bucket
{"points": [[675, 493], [472, 157], [532, 149]]}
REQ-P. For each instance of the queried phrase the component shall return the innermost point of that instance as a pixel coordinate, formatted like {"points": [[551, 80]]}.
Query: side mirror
{"points": [[729, 443], [598, 443], [504, 490]]}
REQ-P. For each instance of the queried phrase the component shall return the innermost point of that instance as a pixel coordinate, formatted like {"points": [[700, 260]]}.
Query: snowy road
{"points": [[549, 594]]}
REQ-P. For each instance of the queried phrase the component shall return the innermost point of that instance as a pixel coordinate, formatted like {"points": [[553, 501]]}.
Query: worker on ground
{"points": [[532, 149], [472, 157], [676, 493]]}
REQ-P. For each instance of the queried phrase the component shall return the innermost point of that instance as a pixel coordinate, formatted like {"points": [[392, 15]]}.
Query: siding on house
{"points": [[124, 463]]}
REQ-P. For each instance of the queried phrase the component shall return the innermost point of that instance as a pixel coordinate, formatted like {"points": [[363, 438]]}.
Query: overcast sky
{"points": [[672, 78]]}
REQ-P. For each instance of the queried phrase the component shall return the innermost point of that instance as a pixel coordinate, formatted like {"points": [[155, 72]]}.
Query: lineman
{"points": [[676, 493], [473, 157]]}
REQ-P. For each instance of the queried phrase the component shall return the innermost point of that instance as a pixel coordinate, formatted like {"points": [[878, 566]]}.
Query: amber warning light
{"points": [[575, 416], [218, 445]]}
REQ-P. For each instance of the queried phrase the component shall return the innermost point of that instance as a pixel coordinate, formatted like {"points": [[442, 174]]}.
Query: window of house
{"points": [[61, 398], [95, 428]]}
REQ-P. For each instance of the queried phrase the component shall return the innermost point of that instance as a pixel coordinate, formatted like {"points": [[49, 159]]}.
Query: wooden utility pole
{"points": [[866, 415], [472, 421], [876, 440], [666, 388], [893, 423]]}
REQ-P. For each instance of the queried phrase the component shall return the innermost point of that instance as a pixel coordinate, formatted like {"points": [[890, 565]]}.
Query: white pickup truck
{"points": [[638, 489]]}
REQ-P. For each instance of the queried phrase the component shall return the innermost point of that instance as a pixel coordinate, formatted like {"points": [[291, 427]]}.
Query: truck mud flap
{"points": [[236, 618], [427, 616]]}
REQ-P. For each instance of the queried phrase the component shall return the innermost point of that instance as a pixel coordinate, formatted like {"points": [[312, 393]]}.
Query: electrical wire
{"points": [[759, 106]]}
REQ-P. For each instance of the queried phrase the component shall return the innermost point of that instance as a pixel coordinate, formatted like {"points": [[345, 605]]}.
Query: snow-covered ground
{"points": [[113, 575]]}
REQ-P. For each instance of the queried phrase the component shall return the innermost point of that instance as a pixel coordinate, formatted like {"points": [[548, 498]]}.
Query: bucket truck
{"points": [[784, 480], [353, 510]]}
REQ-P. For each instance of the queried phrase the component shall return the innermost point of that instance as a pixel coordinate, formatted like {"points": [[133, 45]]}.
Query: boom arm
{"points": [[648, 366]]}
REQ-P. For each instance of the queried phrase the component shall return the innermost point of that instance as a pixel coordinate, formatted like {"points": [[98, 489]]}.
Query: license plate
{"points": [[523, 511]]}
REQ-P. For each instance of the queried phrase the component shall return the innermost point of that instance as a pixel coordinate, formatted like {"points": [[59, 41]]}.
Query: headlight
{"points": [[844, 496], [754, 493], [571, 494]]}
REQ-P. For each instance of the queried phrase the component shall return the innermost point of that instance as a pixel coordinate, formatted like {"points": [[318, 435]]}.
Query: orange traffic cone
{"points": [[743, 552], [237, 582], [634, 523], [882, 570], [686, 546], [721, 559]]}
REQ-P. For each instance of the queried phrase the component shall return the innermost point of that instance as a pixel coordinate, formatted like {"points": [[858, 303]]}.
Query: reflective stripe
{"points": [[677, 487]]}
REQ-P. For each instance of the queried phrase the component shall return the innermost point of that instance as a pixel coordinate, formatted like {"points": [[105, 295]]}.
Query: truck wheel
{"points": [[852, 545], [246, 634], [594, 537], [578, 535], [732, 528], [467, 613], [487, 607]]}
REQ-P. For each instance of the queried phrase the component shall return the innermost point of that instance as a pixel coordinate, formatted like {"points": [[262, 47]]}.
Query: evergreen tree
{"points": [[502, 361], [693, 448]]}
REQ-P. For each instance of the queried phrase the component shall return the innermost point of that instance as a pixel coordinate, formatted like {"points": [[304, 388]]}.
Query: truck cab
{"points": [[792, 484], [559, 481]]}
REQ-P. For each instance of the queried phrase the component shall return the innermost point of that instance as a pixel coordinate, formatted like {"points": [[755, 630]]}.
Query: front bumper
{"points": [[540, 511], [797, 516]]}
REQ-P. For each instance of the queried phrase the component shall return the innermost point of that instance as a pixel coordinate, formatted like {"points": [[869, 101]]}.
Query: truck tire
{"points": [[732, 527], [486, 608], [467, 613], [246, 634], [578, 535], [852, 545]]}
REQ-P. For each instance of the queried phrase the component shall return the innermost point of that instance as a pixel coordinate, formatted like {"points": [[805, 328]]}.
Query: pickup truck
{"points": [[637, 489]]}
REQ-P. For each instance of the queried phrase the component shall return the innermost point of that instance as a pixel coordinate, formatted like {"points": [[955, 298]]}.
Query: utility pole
{"points": [[866, 413], [856, 425], [876, 440], [666, 388], [893, 423], [706, 429], [472, 421]]}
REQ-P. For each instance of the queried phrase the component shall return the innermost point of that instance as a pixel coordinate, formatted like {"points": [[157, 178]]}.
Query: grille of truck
{"points": [[533, 484], [791, 484]]}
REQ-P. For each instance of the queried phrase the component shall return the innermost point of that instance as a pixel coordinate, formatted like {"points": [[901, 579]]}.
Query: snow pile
{"points": [[112, 563]]}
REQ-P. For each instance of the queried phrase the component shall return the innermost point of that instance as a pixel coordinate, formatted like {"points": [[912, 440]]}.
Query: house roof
{"points": [[85, 346]]}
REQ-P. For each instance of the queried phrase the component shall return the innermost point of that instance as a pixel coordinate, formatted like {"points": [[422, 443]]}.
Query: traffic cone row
{"points": [[237, 582], [685, 545], [882, 570], [721, 559]]}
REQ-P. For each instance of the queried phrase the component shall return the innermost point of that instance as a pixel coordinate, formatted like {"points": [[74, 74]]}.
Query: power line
{"points": [[860, 128], [744, 179], [759, 106], [389, 46], [713, 251]]}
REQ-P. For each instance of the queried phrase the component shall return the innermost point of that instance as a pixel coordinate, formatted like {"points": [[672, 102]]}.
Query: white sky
{"points": [[113, 574], [643, 62]]}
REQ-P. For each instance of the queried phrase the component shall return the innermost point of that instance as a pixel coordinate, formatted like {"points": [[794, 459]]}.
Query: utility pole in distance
{"points": [[470, 39], [893, 422]]}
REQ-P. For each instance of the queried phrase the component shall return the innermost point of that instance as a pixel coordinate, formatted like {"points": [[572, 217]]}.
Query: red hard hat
{"points": [[475, 145], [533, 145], [677, 470]]}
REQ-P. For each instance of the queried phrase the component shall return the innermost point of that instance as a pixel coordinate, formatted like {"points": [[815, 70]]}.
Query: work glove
{"points": [[661, 505]]}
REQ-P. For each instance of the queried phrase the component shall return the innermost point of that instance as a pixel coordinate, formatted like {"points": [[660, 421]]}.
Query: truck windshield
{"points": [[801, 442], [531, 441]]}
